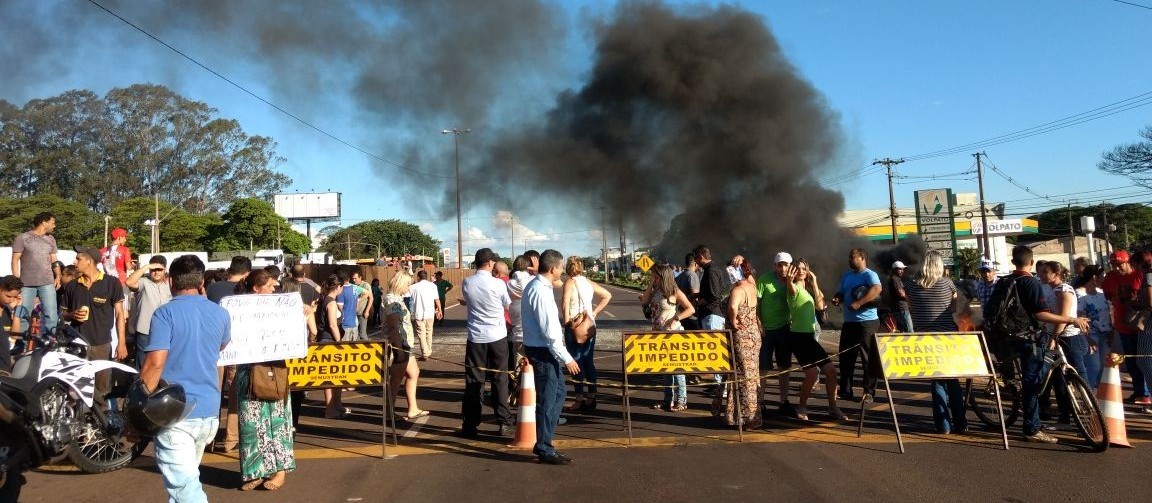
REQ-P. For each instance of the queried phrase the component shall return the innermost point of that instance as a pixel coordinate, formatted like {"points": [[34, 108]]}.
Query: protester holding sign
{"points": [[931, 304], [266, 454]]}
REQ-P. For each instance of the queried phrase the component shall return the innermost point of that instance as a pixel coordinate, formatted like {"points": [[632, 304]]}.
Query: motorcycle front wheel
{"points": [[97, 448]]}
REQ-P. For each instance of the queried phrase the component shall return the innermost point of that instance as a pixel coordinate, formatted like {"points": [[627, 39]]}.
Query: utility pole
{"points": [[983, 212], [349, 245], [1107, 229], [888, 163], [1071, 233], [459, 227], [513, 236], [623, 242], [604, 239], [1127, 243]]}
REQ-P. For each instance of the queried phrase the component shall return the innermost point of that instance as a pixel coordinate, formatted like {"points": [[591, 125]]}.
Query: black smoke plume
{"points": [[695, 118]]}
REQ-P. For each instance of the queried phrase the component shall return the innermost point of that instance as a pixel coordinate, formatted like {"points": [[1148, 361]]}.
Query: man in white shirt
{"points": [[544, 347], [426, 309], [486, 297]]}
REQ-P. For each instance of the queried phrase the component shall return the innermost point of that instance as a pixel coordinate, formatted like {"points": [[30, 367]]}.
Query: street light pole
{"points": [[459, 227]]}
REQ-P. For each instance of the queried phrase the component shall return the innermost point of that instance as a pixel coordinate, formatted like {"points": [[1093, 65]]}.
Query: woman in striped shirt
{"points": [[932, 304]]}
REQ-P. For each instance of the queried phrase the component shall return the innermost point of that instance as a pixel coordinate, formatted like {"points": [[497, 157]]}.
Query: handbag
{"points": [[1137, 318], [582, 327], [269, 381]]}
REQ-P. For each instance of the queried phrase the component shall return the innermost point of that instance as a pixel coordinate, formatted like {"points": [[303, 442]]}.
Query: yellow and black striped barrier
{"points": [[932, 355], [666, 352], [338, 365]]}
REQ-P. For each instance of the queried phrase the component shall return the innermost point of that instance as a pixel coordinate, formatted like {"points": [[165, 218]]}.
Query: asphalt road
{"points": [[672, 456]]}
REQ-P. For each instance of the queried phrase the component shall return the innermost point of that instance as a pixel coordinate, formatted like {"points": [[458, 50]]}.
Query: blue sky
{"points": [[905, 77]]}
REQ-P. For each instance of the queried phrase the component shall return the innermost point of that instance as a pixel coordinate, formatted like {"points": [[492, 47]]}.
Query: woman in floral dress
{"points": [[266, 454], [746, 351]]}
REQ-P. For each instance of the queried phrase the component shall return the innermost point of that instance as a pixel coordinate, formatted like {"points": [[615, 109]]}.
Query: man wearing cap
{"points": [[94, 305], [486, 298], [985, 282], [33, 253], [897, 299], [115, 257], [774, 317], [1121, 286]]}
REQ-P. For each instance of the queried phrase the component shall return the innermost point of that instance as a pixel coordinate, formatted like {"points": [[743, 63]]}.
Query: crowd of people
{"points": [[167, 319]]}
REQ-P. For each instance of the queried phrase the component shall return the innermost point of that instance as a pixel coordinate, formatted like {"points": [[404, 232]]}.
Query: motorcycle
{"points": [[51, 394]]}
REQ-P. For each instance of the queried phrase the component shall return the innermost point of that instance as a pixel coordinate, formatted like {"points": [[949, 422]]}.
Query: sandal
{"points": [[836, 414], [341, 414], [418, 415], [252, 484], [680, 407], [801, 413], [272, 486]]}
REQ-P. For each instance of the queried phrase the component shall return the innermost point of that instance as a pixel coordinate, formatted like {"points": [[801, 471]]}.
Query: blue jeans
{"points": [[1094, 364], [50, 312], [1132, 365], [178, 451], [903, 320], [585, 356], [1032, 371], [550, 392], [142, 341], [948, 405], [677, 390], [713, 322]]}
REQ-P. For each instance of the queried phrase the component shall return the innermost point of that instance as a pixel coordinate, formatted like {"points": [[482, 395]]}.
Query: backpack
{"points": [[1006, 319]]}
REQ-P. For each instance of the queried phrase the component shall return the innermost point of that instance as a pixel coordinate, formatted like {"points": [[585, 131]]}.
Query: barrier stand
{"points": [[933, 355], [348, 364], [682, 352]]}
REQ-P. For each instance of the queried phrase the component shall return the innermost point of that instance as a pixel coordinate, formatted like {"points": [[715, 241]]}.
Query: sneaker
{"points": [[563, 421], [846, 396], [1144, 400], [1041, 438], [556, 459]]}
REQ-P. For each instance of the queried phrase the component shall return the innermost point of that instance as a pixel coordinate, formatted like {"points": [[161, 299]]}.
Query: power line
{"points": [[1133, 4], [1110, 109], [276, 107]]}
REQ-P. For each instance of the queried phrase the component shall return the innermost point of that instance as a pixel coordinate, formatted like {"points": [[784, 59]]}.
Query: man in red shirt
{"points": [[116, 257], [1120, 288]]}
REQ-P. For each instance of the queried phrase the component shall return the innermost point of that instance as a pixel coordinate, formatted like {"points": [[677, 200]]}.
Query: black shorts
{"points": [[807, 350]]}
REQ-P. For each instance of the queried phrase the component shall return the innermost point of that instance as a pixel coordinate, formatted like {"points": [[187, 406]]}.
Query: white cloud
{"points": [[427, 228], [474, 237]]}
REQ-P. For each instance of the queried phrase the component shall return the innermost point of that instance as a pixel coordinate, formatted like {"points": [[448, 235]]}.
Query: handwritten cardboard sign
{"points": [[265, 328]]}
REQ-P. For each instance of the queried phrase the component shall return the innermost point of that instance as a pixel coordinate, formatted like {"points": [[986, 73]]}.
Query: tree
{"points": [[392, 237], [179, 230], [967, 261], [1133, 219], [1133, 160], [75, 224], [251, 224], [137, 141]]}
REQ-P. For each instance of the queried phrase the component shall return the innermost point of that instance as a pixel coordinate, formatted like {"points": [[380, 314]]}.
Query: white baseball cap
{"points": [[783, 257], [986, 264], [899, 265]]}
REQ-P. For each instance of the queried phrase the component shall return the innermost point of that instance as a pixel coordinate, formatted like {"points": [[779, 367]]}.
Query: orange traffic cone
{"points": [[1111, 399], [526, 415]]}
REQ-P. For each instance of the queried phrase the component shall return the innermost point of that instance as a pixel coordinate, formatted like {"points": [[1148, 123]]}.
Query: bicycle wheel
{"points": [[1086, 412], [982, 400]]}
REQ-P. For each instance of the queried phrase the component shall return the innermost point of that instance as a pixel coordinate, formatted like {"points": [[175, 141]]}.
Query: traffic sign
{"points": [[644, 263], [666, 352], [935, 221], [929, 355], [338, 365]]}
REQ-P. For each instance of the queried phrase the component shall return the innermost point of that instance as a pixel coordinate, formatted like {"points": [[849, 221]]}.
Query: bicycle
{"points": [[1084, 409]]}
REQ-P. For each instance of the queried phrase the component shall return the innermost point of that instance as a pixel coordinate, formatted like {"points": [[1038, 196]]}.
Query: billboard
{"points": [[308, 206]]}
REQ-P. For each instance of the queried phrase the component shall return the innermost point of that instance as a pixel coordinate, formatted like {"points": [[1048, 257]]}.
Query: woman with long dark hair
{"points": [[669, 309], [266, 454]]}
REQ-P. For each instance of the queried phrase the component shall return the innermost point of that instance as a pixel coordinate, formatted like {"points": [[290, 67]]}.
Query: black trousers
{"points": [[490, 355], [864, 334]]}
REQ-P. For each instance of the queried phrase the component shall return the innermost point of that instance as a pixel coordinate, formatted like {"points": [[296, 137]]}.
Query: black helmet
{"points": [[148, 413]]}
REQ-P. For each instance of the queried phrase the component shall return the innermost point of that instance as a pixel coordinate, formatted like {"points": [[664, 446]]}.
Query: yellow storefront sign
{"points": [[932, 355], [338, 364], [665, 352]]}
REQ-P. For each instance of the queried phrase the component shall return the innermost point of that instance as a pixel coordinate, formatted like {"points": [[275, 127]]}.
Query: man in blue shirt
{"points": [[544, 347], [187, 335], [859, 290], [347, 299], [486, 298]]}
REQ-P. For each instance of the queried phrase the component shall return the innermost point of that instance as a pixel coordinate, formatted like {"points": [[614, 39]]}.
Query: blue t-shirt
{"points": [[854, 285], [348, 297], [192, 329]]}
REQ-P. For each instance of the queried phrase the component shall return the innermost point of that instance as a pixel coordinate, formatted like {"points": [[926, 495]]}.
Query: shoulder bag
{"points": [[582, 326], [269, 381]]}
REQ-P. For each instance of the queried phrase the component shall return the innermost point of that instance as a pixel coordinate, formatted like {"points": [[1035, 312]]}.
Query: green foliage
{"points": [[1132, 160], [1137, 218], [134, 142], [392, 237], [252, 224], [967, 261], [75, 224]]}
